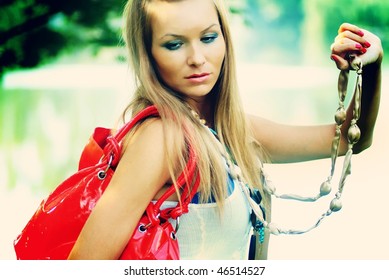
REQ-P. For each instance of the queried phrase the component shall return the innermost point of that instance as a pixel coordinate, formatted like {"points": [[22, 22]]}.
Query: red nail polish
{"points": [[363, 50], [367, 44], [360, 33], [358, 46], [334, 58]]}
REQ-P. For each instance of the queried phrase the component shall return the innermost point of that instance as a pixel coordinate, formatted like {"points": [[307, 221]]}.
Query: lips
{"points": [[198, 78], [195, 76]]}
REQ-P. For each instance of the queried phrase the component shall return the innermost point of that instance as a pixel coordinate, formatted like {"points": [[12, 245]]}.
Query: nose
{"points": [[196, 56]]}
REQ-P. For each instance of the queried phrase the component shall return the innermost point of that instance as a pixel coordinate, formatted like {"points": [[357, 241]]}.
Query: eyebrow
{"points": [[180, 36]]}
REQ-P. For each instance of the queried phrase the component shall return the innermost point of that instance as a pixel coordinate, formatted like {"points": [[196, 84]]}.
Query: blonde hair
{"points": [[179, 125]]}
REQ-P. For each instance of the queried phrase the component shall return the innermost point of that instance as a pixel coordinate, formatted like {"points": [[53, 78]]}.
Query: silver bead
{"points": [[335, 205], [340, 116], [325, 188], [353, 134]]}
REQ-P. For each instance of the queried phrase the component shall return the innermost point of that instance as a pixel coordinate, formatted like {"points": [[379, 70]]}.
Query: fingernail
{"points": [[358, 46], [334, 58], [367, 44], [363, 50], [360, 33]]}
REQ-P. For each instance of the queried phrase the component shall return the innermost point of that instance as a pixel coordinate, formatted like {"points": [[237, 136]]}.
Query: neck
{"points": [[204, 108]]}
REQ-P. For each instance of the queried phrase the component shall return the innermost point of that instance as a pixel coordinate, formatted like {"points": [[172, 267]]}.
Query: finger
{"points": [[343, 46], [351, 27], [354, 37], [340, 62]]}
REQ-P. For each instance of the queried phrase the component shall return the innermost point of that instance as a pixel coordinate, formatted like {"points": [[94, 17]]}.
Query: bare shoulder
{"points": [[145, 153], [150, 130]]}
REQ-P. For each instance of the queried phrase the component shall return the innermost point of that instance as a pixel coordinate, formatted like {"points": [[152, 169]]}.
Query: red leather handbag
{"points": [[53, 229]]}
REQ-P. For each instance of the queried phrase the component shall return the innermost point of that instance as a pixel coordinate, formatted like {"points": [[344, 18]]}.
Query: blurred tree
{"points": [[275, 28], [33, 31]]}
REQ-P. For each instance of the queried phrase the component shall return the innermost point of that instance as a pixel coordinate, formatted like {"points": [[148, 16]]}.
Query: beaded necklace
{"points": [[353, 136]]}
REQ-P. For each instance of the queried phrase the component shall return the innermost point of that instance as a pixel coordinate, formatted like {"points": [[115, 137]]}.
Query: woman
{"points": [[184, 64]]}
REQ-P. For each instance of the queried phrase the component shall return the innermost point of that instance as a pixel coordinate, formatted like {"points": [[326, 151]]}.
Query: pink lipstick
{"points": [[198, 78]]}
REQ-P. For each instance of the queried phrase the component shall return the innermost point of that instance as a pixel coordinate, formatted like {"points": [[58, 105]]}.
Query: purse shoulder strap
{"points": [[150, 111], [189, 175], [112, 149]]}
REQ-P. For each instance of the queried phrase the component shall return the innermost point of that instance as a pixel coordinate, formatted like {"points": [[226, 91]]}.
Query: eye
{"points": [[209, 38], [173, 45]]}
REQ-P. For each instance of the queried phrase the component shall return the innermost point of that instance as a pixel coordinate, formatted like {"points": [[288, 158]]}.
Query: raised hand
{"points": [[352, 40]]}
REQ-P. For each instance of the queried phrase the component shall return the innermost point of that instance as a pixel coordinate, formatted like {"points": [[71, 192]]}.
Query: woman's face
{"points": [[187, 45]]}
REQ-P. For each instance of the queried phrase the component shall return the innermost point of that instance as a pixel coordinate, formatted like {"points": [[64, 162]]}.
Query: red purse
{"points": [[53, 229]]}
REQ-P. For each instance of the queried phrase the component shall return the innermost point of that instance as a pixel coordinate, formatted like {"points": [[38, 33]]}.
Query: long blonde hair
{"points": [[180, 126]]}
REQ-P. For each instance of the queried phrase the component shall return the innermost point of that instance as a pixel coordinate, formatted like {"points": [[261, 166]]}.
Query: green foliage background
{"points": [[34, 31]]}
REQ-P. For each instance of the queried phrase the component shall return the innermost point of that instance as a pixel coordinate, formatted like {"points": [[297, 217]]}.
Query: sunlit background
{"points": [[63, 72]]}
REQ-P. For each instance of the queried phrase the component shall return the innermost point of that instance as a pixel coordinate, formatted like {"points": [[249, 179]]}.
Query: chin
{"points": [[199, 92]]}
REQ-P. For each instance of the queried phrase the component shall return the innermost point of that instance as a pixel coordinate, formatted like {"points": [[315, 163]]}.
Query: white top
{"points": [[203, 234]]}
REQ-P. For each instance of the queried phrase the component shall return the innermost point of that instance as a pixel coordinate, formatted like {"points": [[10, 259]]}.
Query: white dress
{"points": [[204, 234]]}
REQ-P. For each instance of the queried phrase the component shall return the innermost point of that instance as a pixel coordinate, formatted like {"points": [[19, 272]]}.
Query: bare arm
{"points": [[136, 181], [286, 143]]}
